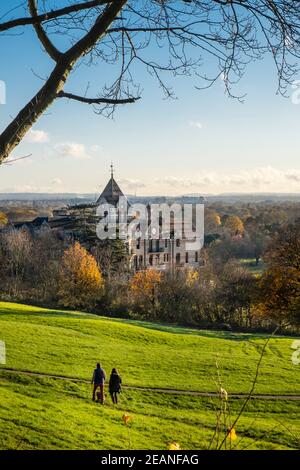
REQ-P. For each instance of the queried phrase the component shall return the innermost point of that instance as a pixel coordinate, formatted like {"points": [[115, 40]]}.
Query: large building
{"points": [[164, 250]]}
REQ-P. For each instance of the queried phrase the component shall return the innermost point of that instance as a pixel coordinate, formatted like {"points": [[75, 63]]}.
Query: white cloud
{"points": [[33, 187], [177, 182], [96, 148], [131, 184], [293, 175], [37, 137], [22, 188], [260, 179], [56, 182], [71, 150], [196, 124]]}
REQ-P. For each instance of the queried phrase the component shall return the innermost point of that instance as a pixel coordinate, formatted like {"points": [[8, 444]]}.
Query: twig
{"points": [[253, 385], [9, 162]]}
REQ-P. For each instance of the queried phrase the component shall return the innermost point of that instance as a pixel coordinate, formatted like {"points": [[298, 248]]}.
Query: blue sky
{"points": [[201, 142]]}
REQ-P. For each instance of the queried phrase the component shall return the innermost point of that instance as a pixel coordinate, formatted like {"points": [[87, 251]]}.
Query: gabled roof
{"points": [[38, 221], [111, 193]]}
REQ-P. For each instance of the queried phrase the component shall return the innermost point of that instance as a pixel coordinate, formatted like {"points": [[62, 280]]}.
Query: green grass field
{"points": [[43, 413], [250, 264]]}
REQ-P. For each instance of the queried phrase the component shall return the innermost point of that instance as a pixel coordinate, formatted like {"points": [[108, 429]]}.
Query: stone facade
{"points": [[161, 253]]}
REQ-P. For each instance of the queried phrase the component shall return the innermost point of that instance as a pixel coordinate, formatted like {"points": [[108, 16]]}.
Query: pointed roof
{"points": [[111, 192]]}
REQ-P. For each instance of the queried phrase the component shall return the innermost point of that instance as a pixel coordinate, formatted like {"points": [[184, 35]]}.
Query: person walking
{"points": [[98, 380], [115, 382]]}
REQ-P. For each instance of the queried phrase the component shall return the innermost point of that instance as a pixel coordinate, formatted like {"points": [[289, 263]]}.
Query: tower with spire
{"points": [[112, 192]]}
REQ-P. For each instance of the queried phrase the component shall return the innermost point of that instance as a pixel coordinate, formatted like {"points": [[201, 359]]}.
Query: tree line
{"points": [[222, 293]]}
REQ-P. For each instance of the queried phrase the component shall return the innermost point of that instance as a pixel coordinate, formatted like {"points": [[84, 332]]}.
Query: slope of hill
{"points": [[43, 412]]}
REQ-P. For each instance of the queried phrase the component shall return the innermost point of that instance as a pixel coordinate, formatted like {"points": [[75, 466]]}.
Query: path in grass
{"points": [[150, 356], [169, 372], [170, 391], [45, 413]]}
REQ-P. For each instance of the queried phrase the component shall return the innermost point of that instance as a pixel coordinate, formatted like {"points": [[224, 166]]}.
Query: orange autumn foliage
{"points": [[144, 286], [81, 281], [3, 220], [234, 225]]}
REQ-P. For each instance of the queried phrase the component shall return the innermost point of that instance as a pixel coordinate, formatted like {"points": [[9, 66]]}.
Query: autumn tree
{"points": [[144, 287], [3, 220], [80, 281], [236, 295], [176, 36], [234, 225], [44, 272], [280, 284], [280, 296], [112, 257], [176, 297], [18, 248], [212, 221], [284, 248], [226, 248], [258, 237]]}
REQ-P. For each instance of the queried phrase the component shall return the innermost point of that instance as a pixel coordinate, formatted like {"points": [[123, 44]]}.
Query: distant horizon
{"points": [[210, 194]]}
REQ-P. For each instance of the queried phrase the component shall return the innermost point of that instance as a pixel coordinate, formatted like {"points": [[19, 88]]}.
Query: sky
{"points": [[201, 142]]}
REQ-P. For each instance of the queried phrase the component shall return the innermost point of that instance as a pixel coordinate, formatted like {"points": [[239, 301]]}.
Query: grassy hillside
{"points": [[70, 343], [51, 413]]}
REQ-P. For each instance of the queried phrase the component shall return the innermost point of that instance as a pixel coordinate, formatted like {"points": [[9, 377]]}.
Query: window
{"points": [[178, 258], [157, 245], [151, 260], [138, 244], [166, 243], [186, 257], [141, 261], [196, 256], [178, 243]]}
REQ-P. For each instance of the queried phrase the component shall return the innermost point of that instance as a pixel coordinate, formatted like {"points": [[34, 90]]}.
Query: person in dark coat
{"points": [[98, 380], [115, 382]]}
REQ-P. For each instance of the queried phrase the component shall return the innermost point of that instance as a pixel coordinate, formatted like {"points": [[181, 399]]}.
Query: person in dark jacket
{"points": [[115, 382], [98, 380]]}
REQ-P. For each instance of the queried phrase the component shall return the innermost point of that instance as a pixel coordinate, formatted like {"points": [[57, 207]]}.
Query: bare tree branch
{"points": [[50, 15], [10, 162], [162, 37], [41, 34], [18, 128], [82, 99]]}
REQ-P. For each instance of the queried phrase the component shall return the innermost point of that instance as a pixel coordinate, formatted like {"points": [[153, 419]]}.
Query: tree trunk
{"points": [[18, 128]]}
